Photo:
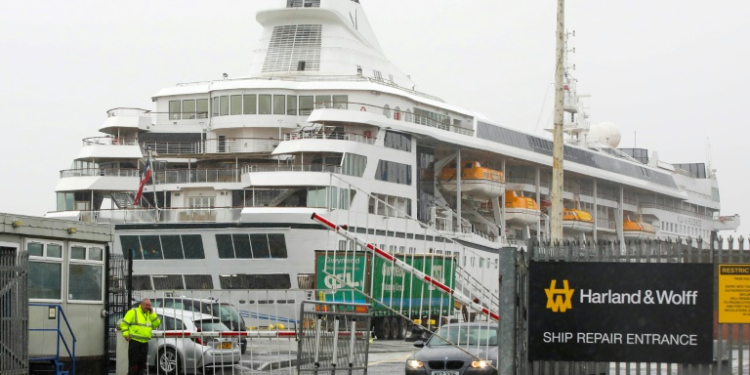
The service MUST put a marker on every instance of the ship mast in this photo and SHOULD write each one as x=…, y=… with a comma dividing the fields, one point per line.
x=556, y=210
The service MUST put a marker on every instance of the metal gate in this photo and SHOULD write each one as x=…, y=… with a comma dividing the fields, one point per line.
x=731, y=341
x=14, y=312
x=333, y=337
x=119, y=271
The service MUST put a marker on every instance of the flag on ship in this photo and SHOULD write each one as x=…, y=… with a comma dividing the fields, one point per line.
x=145, y=177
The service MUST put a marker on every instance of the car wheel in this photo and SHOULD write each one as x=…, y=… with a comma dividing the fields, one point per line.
x=403, y=330
x=395, y=328
x=243, y=347
x=168, y=361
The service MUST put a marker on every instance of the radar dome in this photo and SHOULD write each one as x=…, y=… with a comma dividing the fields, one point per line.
x=605, y=133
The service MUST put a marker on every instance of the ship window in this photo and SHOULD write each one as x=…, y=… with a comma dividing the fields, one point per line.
x=387, y=111
x=224, y=244
x=175, y=110
x=306, y=105
x=172, y=247
x=201, y=108
x=199, y=282
x=131, y=244
x=291, y=105
x=188, y=109
x=407, y=116
x=292, y=44
x=151, y=247
x=263, y=282
x=236, y=105
x=323, y=101
x=264, y=104
x=142, y=282
x=393, y=172
x=397, y=141
x=341, y=101
x=278, y=105
x=65, y=201
x=215, y=107
x=224, y=106
x=193, y=246
x=259, y=243
x=250, y=104
x=242, y=248
x=168, y=282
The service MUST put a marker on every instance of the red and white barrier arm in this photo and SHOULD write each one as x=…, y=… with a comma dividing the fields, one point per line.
x=342, y=230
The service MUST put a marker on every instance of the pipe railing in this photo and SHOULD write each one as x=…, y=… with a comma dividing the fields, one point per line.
x=60, y=315
x=103, y=172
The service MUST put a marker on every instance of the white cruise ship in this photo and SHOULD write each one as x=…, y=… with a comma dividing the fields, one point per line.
x=324, y=123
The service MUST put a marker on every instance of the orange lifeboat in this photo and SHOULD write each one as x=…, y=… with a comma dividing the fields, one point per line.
x=638, y=230
x=521, y=210
x=476, y=181
x=578, y=221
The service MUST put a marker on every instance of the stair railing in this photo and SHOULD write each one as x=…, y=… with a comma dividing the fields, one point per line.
x=60, y=314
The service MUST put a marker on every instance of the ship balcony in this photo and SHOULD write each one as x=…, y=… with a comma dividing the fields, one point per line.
x=658, y=209
x=332, y=114
x=214, y=146
x=353, y=137
x=163, y=215
x=112, y=147
x=233, y=175
x=100, y=172
x=124, y=121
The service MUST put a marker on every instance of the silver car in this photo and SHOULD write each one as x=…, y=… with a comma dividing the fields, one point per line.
x=172, y=355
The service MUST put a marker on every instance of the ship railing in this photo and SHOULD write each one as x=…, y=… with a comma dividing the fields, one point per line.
x=163, y=215
x=213, y=146
x=335, y=136
x=127, y=111
x=397, y=114
x=202, y=175
x=291, y=168
x=110, y=141
x=677, y=210
x=103, y=172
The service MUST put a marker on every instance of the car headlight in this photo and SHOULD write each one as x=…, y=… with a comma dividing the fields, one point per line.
x=479, y=364
x=413, y=363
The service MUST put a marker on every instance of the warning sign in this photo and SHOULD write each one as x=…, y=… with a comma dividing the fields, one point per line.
x=734, y=293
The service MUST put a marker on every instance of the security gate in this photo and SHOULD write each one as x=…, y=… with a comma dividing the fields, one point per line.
x=14, y=313
x=731, y=342
x=333, y=337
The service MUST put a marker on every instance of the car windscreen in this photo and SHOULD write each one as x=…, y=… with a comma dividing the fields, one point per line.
x=465, y=335
x=210, y=325
x=229, y=314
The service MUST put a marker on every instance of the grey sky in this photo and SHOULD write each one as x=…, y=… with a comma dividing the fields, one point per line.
x=674, y=71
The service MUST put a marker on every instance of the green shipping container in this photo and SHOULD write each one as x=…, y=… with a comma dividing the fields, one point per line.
x=387, y=284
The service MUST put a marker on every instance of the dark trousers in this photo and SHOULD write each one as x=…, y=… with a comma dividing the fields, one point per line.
x=137, y=354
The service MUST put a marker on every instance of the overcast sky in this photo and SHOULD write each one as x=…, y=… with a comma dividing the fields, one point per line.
x=674, y=72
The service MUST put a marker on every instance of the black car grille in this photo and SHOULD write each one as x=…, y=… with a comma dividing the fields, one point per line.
x=445, y=365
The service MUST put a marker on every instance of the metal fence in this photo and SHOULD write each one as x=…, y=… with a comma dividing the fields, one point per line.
x=14, y=312
x=333, y=337
x=118, y=297
x=731, y=341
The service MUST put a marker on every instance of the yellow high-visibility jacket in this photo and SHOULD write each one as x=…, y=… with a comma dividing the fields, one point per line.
x=138, y=324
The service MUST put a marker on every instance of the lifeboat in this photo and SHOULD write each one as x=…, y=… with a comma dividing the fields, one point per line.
x=638, y=230
x=521, y=210
x=577, y=221
x=476, y=181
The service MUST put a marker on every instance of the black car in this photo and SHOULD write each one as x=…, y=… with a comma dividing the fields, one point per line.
x=226, y=312
x=441, y=357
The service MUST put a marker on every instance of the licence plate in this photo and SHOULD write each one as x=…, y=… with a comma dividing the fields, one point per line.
x=228, y=345
x=445, y=373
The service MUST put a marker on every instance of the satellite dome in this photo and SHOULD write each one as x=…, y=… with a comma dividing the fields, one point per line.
x=605, y=133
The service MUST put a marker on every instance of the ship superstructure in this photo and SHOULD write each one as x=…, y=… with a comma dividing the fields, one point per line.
x=324, y=123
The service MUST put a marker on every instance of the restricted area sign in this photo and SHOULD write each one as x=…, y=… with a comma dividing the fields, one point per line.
x=734, y=293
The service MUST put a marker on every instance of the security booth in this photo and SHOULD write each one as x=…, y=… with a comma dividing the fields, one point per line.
x=56, y=270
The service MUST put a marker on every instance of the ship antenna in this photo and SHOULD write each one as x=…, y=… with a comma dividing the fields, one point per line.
x=556, y=210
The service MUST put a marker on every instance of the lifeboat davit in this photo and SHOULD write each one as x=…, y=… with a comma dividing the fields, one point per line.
x=476, y=181
x=638, y=230
x=577, y=221
x=521, y=210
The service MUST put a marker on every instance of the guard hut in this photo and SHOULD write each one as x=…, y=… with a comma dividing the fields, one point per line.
x=62, y=294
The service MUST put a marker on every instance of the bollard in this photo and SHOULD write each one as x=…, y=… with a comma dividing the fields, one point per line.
x=121, y=355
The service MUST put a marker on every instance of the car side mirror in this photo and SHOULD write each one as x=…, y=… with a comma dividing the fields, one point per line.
x=419, y=344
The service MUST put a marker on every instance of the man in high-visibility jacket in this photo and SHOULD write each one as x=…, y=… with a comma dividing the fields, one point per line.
x=136, y=326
